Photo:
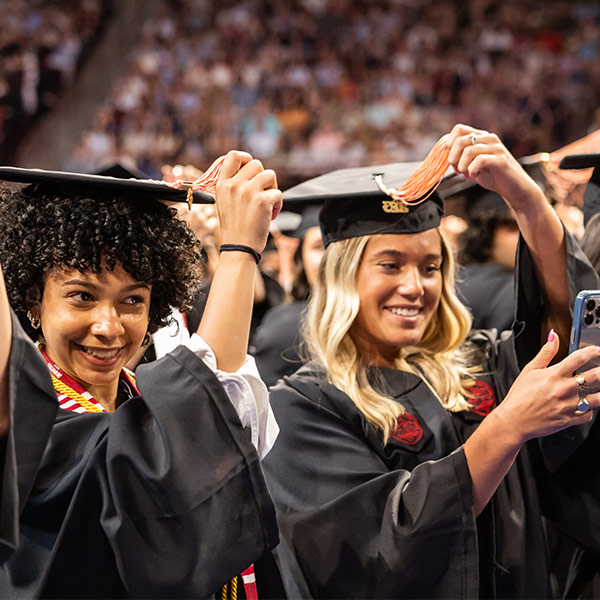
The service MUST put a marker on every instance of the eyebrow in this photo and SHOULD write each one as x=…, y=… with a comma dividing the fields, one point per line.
x=398, y=254
x=93, y=286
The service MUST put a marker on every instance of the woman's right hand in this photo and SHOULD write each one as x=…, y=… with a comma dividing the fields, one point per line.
x=541, y=401
x=544, y=399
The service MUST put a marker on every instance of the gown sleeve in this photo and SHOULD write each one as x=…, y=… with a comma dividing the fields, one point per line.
x=33, y=407
x=567, y=464
x=511, y=351
x=351, y=526
x=188, y=504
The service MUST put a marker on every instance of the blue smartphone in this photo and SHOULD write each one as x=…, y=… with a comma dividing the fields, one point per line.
x=586, y=325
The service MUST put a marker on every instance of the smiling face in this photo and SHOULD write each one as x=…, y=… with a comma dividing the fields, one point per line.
x=93, y=324
x=399, y=285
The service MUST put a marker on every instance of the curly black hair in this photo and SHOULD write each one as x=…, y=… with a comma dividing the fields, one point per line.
x=475, y=243
x=45, y=226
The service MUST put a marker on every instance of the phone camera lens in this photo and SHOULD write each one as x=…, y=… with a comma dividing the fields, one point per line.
x=588, y=319
x=590, y=304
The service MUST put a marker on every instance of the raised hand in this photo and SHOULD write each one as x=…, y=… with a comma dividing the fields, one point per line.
x=481, y=156
x=247, y=200
x=544, y=399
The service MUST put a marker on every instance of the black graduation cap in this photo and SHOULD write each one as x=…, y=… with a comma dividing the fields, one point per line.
x=591, y=196
x=115, y=185
x=122, y=171
x=308, y=219
x=358, y=202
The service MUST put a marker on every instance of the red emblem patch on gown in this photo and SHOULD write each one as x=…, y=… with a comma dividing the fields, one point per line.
x=409, y=430
x=483, y=399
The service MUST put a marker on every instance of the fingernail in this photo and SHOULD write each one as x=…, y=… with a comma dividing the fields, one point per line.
x=456, y=170
x=551, y=336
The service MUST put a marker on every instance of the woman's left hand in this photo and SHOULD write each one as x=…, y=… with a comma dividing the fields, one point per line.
x=481, y=156
x=247, y=200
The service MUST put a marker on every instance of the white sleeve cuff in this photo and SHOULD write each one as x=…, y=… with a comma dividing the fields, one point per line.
x=247, y=393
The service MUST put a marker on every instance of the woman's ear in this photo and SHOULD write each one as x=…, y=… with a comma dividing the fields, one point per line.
x=33, y=298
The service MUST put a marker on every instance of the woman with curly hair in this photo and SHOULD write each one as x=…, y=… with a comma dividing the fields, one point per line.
x=405, y=463
x=149, y=484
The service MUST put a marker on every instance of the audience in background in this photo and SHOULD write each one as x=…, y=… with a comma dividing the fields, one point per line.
x=42, y=43
x=319, y=84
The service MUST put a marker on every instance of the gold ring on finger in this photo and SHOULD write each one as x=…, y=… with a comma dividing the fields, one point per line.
x=581, y=382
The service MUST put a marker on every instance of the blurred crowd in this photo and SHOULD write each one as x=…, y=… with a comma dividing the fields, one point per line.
x=42, y=43
x=318, y=84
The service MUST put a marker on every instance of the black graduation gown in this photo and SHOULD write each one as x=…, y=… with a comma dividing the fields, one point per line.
x=488, y=290
x=162, y=498
x=33, y=407
x=362, y=520
x=275, y=345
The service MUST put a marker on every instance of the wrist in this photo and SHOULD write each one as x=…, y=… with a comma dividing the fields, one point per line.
x=506, y=427
x=240, y=249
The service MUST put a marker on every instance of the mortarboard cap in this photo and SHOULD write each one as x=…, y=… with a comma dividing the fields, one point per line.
x=287, y=222
x=309, y=219
x=591, y=196
x=112, y=185
x=355, y=203
x=121, y=171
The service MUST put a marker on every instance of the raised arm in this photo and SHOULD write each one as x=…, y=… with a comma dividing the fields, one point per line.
x=5, y=336
x=481, y=156
x=247, y=199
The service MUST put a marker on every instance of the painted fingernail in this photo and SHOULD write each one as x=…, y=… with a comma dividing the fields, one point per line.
x=551, y=336
x=456, y=170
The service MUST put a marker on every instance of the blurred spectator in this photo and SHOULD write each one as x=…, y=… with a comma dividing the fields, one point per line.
x=320, y=84
x=42, y=43
x=487, y=251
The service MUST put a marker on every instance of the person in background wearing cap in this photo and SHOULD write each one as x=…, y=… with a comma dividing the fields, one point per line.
x=276, y=344
x=487, y=248
x=405, y=463
x=149, y=493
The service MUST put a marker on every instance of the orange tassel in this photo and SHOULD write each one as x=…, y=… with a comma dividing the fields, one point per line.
x=207, y=182
x=424, y=181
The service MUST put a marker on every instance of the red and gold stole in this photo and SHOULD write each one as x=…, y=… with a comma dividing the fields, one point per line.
x=71, y=395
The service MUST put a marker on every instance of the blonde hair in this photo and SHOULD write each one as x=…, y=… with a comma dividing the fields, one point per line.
x=440, y=354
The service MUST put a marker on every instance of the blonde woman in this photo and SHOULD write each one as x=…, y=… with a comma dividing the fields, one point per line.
x=404, y=468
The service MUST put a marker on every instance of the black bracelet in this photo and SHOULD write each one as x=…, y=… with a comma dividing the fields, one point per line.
x=241, y=248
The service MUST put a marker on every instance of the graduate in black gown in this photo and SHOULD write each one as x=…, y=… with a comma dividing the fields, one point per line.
x=485, y=282
x=408, y=461
x=276, y=344
x=150, y=484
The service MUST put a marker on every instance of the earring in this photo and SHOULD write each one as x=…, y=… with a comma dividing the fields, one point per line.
x=35, y=323
x=147, y=340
